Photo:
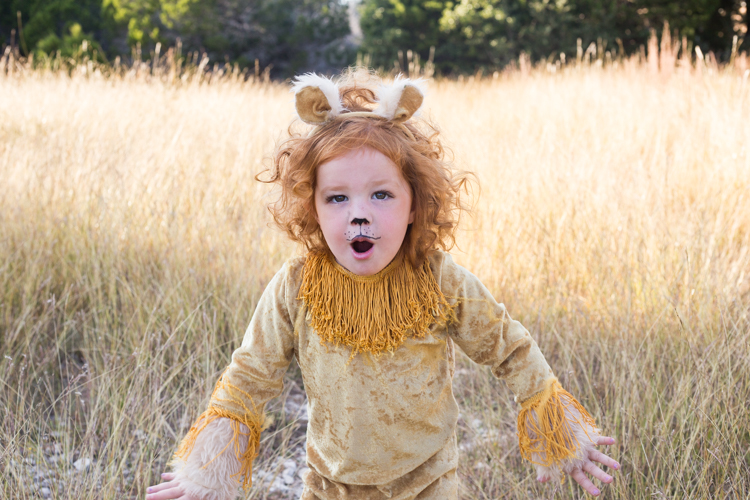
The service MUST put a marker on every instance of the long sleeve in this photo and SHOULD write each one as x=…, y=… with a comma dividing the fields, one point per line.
x=218, y=451
x=487, y=334
x=555, y=432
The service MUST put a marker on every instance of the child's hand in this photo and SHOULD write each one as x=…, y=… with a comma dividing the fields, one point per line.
x=588, y=466
x=170, y=489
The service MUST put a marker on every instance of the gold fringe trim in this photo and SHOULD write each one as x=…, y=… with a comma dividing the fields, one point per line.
x=371, y=313
x=550, y=436
x=252, y=419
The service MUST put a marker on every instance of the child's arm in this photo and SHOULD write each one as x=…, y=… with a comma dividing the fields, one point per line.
x=217, y=454
x=555, y=432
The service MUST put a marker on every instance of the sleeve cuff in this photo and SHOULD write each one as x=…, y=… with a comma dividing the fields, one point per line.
x=555, y=432
x=216, y=456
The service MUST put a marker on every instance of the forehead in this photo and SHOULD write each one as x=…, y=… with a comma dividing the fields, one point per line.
x=359, y=167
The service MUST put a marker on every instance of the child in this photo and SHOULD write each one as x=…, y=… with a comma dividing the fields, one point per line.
x=372, y=313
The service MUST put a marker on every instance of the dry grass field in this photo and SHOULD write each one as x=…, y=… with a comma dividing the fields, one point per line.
x=613, y=221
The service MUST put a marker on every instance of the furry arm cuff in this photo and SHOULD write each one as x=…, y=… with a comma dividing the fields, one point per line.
x=213, y=456
x=555, y=432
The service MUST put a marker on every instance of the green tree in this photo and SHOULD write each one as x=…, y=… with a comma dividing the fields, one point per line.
x=390, y=26
x=472, y=34
x=145, y=20
x=290, y=34
x=74, y=45
x=54, y=23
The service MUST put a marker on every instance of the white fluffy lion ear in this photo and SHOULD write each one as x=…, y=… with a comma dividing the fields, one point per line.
x=316, y=98
x=398, y=102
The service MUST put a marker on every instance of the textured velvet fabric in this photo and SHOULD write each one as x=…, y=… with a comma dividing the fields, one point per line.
x=381, y=423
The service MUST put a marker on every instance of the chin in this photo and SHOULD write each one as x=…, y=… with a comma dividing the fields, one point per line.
x=364, y=268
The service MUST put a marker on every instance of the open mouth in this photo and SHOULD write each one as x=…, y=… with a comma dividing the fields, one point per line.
x=362, y=246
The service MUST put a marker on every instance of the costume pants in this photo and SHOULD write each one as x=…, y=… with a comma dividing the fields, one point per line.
x=444, y=487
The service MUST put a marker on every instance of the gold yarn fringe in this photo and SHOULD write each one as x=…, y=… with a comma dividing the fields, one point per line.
x=550, y=435
x=252, y=419
x=371, y=313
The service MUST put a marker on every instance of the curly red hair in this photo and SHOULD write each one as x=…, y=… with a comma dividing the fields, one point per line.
x=436, y=187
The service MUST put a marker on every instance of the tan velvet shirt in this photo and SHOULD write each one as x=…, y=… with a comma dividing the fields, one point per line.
x=382, y=420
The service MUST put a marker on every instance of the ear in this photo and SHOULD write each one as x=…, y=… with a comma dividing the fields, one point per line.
x=400, y=101
x=316, y=98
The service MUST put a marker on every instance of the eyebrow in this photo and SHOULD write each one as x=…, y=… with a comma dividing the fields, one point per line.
x=332, y=188
x=377, y=182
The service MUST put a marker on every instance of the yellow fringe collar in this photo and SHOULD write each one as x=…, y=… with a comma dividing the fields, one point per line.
x=371, y=313
x=545, y=428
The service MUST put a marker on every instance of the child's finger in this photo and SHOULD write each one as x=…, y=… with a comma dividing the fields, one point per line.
x=598, y=456
x=597, y=472
x=161, y=486
x=168, y=476
x=585, y=482
x=169, y=494
x=605, y=440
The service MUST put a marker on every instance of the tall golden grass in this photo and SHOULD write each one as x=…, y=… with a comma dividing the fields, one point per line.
x=613, y=221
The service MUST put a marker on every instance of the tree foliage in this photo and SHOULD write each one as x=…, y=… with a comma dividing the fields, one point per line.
x=52, y=25
x=291, y=35
x=304, y=35
x=472, y=34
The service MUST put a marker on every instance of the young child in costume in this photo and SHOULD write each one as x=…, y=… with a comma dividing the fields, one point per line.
x=372, y=313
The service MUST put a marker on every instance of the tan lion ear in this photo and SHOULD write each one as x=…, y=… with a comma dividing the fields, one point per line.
x=410, y=102
x=398, y=102
x=316, y=99
x=312, y=105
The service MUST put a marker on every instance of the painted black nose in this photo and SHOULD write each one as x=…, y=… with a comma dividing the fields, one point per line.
x=360, y=221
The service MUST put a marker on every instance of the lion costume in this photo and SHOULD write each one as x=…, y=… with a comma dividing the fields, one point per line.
x=377, y=360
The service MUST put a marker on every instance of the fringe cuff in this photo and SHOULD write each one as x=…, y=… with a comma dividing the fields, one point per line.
x=555, y=432
x=208, y=473
x=244, y=438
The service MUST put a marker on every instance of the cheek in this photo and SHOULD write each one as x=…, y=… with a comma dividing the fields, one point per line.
x=401, y=217
x=319, y=213
x=328, y=219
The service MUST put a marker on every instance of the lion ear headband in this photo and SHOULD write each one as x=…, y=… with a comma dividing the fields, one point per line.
x=318, y=101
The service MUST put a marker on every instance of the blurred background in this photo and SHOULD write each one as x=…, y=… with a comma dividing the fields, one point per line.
x=287, y=37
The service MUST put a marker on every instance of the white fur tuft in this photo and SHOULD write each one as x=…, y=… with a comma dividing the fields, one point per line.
x=586, y=436
x=329, y=88
x=390, y=95
x=207, y=472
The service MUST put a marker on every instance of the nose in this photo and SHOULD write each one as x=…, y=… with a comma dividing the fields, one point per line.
x=360, y=221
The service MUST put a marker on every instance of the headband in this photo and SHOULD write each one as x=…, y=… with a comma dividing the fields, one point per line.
x=318, y=101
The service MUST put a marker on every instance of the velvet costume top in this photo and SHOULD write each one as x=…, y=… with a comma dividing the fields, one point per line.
x=375, y=418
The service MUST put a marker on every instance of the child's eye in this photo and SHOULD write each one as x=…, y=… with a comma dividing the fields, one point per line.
x=381, y=195
x=337, y=198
